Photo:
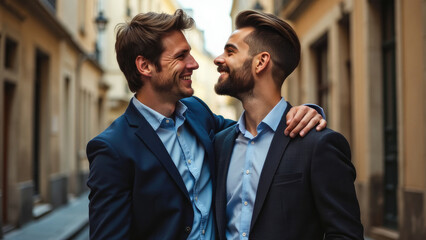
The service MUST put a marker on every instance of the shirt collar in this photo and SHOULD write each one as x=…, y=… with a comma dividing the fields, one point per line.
x=272, y=119
x=155, y=118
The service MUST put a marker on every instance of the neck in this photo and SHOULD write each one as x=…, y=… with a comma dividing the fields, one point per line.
x=261, y=100
x=257, y=108
x=164, y=105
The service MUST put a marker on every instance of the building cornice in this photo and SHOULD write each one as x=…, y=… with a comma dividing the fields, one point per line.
x=11, y=6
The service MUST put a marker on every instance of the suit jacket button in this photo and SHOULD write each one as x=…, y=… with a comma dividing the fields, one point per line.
x=188, y=229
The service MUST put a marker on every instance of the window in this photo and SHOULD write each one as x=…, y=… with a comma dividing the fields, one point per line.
x=40, y=108
x=9, y=97
x=389, y=115
x=320, y=49
x=11, y=54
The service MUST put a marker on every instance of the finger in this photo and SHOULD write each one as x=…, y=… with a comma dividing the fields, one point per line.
x=290, y=114
x=322, y=124
x=303, y=123
x=298, y=115
x=312, y=123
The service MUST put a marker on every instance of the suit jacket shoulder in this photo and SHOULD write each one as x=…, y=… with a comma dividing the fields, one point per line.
x=305, y=181
x=220, y=136
x=201, y=113
x=131, y=179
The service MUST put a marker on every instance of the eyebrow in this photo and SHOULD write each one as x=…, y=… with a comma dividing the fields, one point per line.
x=229, y=45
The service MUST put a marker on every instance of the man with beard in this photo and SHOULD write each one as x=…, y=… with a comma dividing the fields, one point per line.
x=150, y=171
x=268, y=185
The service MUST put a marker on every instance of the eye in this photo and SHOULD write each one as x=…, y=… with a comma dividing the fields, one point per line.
x=230, y=51
x=182, y=55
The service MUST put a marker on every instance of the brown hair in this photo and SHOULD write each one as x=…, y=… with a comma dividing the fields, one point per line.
x=142, y=36
x=272, y=35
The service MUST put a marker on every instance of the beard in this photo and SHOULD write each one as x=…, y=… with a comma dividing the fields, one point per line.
x=172, y=86
x=162, y=85
x=240, y=81
x=163, y=82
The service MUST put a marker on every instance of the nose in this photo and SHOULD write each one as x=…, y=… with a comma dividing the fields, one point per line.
x=218, y=60
x=192, y=64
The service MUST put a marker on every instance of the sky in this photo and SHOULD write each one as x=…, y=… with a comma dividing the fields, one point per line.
x=213, y=17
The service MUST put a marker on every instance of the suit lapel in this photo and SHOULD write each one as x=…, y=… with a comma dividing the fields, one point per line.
x=150, y=138
x=224, y=159
x=273, y=158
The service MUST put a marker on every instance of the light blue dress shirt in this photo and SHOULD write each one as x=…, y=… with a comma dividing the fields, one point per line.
x=247, y=160
x=188, y=156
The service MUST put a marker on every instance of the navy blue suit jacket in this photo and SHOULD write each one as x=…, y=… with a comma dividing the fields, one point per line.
x=306, y=188
x=136, y=190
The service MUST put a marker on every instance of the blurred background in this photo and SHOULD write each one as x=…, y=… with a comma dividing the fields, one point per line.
x=363, y=61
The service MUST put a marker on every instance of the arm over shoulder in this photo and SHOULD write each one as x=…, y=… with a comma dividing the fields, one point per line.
x=218, y=122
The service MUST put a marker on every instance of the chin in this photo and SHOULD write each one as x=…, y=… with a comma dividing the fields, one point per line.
x=188, y=93
x=221, y=79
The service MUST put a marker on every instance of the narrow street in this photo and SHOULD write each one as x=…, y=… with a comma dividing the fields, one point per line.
x=67, y=222
x=83, y=235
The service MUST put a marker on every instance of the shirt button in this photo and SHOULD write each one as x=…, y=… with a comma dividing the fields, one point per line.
x=167, y=120
x=189, y=161
x=244, y=234
x=188, y=229
x=245, y=203
x=203, y=232
x=196, y=198
x=247, y=171
x=252, y=143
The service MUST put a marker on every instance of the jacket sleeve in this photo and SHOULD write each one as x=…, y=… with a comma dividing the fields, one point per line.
x=317, y=108
x=110, y=181
x=223, y=123
x=220, y=123
x=332, y=179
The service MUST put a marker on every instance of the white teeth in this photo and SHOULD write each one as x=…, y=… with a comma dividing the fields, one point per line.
x=187, y=78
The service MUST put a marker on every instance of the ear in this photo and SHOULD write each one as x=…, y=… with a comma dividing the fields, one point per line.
x=143, y=66
x=262, y=61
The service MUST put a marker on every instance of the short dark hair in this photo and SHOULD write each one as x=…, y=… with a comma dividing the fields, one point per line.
x=142, y=36
x=275, y=36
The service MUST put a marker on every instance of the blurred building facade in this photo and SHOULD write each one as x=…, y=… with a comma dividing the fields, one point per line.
x=203, y=79
x=52, y=101
x=364, y=61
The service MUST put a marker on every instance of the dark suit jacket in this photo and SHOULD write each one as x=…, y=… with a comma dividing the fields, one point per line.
x=136, y=190
x=306, y=188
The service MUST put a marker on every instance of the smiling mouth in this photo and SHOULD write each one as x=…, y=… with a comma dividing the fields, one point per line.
x=187, y=78
x=223, y=75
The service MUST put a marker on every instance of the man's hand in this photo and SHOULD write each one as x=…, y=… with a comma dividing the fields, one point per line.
x=301, y=119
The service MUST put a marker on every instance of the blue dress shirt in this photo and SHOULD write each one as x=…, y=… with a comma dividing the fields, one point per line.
x=188, y=156
x=247, y=160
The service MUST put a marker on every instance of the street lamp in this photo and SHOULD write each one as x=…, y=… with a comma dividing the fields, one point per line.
x=101, y=22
